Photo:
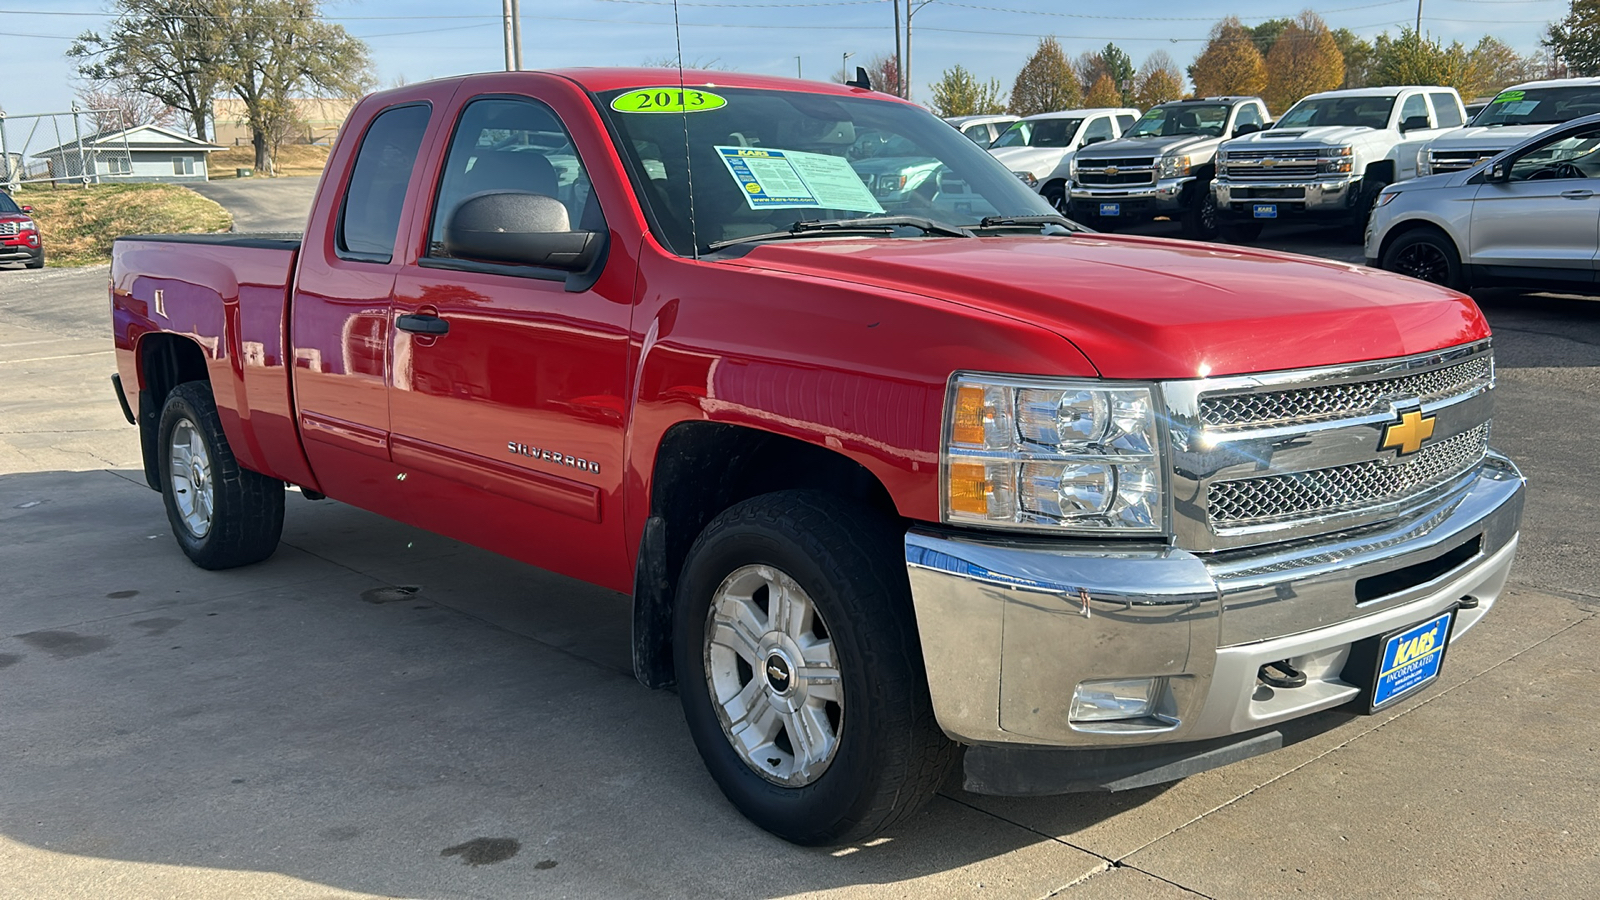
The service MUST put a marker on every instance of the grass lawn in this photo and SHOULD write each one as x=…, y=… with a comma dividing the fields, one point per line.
x=293, y=159
x=78, y=224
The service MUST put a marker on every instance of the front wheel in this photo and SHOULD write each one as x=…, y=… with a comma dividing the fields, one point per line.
x=37, y=262
x=800, y=672
x=1056, y=194
x=1200, y=214
x=1425, y=254
x=222, y=515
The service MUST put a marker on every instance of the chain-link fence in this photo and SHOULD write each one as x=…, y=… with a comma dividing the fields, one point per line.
x=83, y=146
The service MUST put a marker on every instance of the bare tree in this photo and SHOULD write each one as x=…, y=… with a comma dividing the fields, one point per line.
x=165, y=49
x=114, y=107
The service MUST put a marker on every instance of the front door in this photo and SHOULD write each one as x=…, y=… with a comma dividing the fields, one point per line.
x=1544, y=221
x=511, y=422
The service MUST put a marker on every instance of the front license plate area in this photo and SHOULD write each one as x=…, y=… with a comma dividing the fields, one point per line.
x=1110, y=210
x=1402, y=662
x=1264, y=210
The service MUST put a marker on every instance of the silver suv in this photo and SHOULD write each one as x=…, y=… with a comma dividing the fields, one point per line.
x=1162, y=166
x=1528, y=217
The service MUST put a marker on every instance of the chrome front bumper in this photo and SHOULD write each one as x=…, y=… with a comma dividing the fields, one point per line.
x=1009, y=628
x=1165, y=195
x=1329, y=195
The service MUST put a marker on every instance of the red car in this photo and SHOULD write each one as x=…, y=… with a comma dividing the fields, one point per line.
x=898, y=475
x=19, y=234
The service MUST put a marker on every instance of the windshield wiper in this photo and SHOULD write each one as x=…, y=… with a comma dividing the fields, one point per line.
x=1027, y=222
x=870, y=225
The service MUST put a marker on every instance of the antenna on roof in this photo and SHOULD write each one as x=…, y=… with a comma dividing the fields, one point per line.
x=683, y=111
x=860, y=81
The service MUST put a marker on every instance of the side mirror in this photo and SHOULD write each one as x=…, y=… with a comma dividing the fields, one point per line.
x=27, y=209
x=1499, y=170
x=1414, y=123
x=1096, y=139
x=520, y=229
x=1246, y=128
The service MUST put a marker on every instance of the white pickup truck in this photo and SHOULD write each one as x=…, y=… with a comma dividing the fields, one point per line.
x=1328, y=158
x=1515, y=114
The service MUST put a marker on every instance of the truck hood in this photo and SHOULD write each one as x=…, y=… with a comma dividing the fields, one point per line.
x=1500, y=137
x=1327, y=135
x=1148, y=308
x=1150, y=146
x=1040, y=161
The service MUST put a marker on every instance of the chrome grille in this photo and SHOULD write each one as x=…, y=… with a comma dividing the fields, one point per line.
x=1253, y=501
x=8, y=229
x=1242, y=155
x=1442, y=161
x=1341, y=401
x=1116, y=172
x=1280, y=172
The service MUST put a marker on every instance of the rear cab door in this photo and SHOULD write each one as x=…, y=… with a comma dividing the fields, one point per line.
x=511, y=423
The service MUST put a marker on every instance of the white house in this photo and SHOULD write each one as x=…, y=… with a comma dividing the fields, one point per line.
x=140, y=153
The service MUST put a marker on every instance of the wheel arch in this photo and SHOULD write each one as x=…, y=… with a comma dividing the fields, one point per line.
x=164, y=361
x=1400, y=229
x=700, y=469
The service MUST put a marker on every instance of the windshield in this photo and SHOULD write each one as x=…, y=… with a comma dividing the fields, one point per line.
x=1369, y=112
x=762, y=161
x=7, y=205
x=1038, y=133
x=1186, y=119
x=1540, y=106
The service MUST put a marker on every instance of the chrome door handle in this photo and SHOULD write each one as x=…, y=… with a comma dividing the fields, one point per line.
x=1578, y=194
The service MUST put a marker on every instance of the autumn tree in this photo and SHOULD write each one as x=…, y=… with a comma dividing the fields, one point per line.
x=1111, y=61
x=113, y=107
x=1414, y=59
x=1267, y=33
x=1158, y=81
x=1046, y=82
x=884, y=72
x=1357, y=53
x=1103, y=93
x=1575, y=40
x=959, y=93
x=275, y=50
x=1493, y=65
x=1304, y=60
x=167, y=50
x=1230, y=62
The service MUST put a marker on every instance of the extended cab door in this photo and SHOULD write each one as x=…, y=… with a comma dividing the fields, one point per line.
x=509, y=384
x=339, y=316
x=1545, y=221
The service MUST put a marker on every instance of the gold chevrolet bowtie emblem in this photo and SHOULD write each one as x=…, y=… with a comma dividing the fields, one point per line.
x=1408, y=434
x=1112, y=170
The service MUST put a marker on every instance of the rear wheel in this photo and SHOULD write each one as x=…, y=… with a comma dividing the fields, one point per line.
x=800, y=672
x=222, y=515
x=1426, y=254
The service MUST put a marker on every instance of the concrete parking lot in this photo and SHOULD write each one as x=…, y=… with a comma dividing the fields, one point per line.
x=378, y=711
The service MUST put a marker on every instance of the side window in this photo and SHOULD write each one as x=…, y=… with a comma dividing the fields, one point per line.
x=370, y=218
x=512, y=144
x=1250, y=114
x=1098, y=129
x=979, y=133
x=1570, y=156
x=183, y=165
x=1446, y=110
x=1415, y=105
x=1124, y=123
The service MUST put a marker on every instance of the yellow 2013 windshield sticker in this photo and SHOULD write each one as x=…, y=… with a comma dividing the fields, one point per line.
x=668, y=100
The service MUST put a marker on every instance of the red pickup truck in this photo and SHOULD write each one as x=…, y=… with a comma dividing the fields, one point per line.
x=900, y=468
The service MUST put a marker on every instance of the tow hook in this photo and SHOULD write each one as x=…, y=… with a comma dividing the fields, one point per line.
x=1281, y=674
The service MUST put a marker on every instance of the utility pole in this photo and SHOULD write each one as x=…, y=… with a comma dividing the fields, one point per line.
x=516, y=35
x=505, y=16
x=1419, y=18
x=899, y=56
x=797, y=68
x=844, y=67
x=912, y=8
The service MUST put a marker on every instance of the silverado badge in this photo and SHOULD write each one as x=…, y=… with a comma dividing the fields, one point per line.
x=1408, y=434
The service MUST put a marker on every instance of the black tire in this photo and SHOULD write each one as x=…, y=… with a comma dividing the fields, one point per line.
x=890, y=755
x=1427, y=254
x=1365, y=204
x=37, y=262
x=1245, y=232
x=1055, y=194
x=245, y=518
x=1200, y=214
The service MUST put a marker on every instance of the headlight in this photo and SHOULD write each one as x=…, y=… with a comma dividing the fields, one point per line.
x=1173, y=166
x=1027, y=179
x=1053, y=454
x=28, y=225
x=1222, y=156
x=1334, y=159
x=1387, y=197
x=1424, y=163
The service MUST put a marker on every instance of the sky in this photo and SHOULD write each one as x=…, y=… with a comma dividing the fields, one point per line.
x=413, y=40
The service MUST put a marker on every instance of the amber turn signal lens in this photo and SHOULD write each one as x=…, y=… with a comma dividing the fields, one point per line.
x=971, y=414
x=969, y=488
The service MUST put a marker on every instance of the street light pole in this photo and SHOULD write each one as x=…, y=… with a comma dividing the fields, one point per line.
x=505, y=15
x=912, y=8
x=797, y=68
x=899, y=55
x=516, y=35
x=844, y=67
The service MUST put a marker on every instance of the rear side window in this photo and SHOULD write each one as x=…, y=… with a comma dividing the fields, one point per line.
x=1124, y=123
x=1446, y=110
x=370, y=219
